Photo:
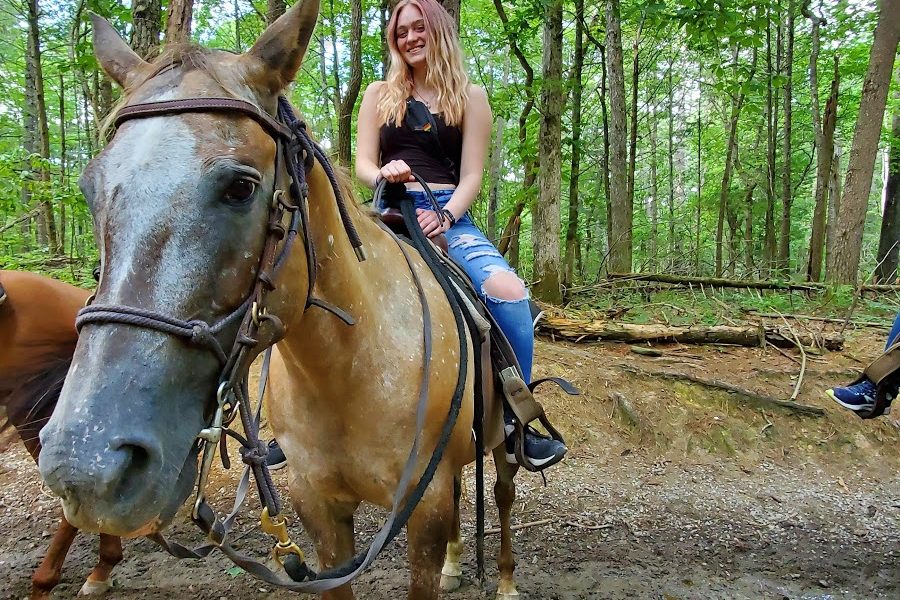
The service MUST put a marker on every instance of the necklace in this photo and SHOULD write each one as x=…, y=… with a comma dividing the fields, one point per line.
x=421, y=98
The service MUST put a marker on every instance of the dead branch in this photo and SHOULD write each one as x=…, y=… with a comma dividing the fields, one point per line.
x=742, y=395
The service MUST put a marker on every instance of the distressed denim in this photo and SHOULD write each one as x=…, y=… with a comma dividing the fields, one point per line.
x=894, y=334
x=478, y=257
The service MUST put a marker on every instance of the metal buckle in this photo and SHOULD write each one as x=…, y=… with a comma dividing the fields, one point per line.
x=277, y=528
x=209, y=438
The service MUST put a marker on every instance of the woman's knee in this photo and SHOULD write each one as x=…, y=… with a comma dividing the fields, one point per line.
x=504, y=286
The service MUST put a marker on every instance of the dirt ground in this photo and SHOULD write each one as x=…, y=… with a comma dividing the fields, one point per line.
x=694, y=495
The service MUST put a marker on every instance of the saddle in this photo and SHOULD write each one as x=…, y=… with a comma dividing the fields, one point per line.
x=884, y=372
x=499, y=366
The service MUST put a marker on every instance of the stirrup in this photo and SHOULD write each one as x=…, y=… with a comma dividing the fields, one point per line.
x=526, y=409
x=884, y=372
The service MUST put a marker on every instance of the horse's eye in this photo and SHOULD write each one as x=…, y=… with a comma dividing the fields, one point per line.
x=239, y=191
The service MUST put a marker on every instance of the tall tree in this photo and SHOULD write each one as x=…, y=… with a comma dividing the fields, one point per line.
x=889, y=242
x=575, y=166
x=146, y=18
x=546, y=226
x=770, y=241
x=787, y=194
x=843, y=263
x=621, y=213
x=633, y=113
x=37, y=107
x=346, y=104
x=274, y=9
x=178, y=25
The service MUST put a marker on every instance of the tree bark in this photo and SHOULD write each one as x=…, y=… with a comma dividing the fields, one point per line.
x=834, y=204
x=889, y=242
x=274, y=9
x=653, y=207
x=452, y=7
x=621, y=213
x=178, y=25
x=824, y=157
x=546, y=226
x=497, y=156
x=575, y=166
x=511, y=230
x=787, y=197
x=345, y=111
x=671, y=174
x=38, y=108
x=633, y=129
x=843, y=266
x=145, y=18
x=770, y=240
x=731, y=150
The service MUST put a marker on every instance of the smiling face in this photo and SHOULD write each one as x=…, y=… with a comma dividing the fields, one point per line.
x=411, y=36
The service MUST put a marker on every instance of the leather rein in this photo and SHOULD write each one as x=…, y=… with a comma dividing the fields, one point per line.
x=258, y=331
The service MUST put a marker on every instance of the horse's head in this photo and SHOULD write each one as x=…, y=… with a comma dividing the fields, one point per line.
x=180, y=204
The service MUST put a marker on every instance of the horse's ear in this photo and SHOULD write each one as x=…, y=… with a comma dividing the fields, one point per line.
x=114, y=55
x=283, y=44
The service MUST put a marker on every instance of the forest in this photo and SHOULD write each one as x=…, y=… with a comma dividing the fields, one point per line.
x=747, y=139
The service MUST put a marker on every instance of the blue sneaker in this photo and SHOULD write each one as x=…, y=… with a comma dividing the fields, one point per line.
x=275, y=459
x=540, y=450
x=859, y=396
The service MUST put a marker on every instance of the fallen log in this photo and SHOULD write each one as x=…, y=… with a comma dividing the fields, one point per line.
x=855, y=323
x=749, y=335
x=741, y=395
x=685, y=280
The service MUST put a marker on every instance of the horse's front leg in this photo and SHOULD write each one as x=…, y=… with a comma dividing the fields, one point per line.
x=47, y=575
x=428, y=531
x=330, y=525
x=505, y=495
x=110, y=555
x=451, y=573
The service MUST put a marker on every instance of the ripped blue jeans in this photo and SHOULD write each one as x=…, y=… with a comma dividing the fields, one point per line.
x=478, y=257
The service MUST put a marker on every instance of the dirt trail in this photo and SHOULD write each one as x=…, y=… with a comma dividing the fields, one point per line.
x=703, y=498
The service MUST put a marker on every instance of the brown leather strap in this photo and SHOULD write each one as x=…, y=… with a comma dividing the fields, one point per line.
x=884, y=365
x=185, y=105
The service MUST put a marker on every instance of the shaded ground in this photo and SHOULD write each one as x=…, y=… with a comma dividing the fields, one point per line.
x=702, y=498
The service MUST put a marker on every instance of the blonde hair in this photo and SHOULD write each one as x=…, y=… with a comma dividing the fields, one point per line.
x=443, y=56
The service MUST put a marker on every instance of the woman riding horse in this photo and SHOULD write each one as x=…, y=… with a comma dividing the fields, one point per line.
x=182, y=199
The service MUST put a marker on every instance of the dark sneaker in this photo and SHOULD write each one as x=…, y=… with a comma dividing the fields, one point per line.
x=859, y=396
x=275, y=458
x=541, y=451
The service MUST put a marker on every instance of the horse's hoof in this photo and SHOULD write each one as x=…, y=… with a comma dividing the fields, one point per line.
x=512, y=594
x=450, y=583
x=94, y=588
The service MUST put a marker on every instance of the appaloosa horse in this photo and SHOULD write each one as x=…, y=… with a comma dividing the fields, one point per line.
x=37, y=339
x=180, y=199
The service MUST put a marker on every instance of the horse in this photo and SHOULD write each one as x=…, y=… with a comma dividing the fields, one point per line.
x=181, y=198
x=37, y=326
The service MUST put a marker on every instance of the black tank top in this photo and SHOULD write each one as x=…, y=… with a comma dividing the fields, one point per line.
x=419, y=150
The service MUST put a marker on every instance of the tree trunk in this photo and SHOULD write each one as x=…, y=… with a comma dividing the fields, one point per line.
x=274, y=9
x=824, y=156
x=511, y=230
x=889, y=242
x=698, y=245
x=178, y=25
x=654, y=193
x=787, y=198
x=497, y=156
x=575, y=167
x=834, y=204
x=843, y=265
x=671, y=174
x=383, y=12
x=345, y=113
x=632, y=131
x=621, y=215
x=63, y=165
x=452, y=7
x=238, y=47
x=39, y=110
x=748, y=230
x=730, y=152
x=770, y=241
x=145, y=17
x=546, y=225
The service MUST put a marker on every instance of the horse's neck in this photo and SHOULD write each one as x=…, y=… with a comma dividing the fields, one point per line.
x=375, y=292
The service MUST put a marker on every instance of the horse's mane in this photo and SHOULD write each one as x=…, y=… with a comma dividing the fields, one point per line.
x=28, y=401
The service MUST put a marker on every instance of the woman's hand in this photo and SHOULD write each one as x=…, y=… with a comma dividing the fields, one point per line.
x=396, y=171
x=432, y=223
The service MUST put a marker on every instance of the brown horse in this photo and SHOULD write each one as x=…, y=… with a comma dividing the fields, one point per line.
x=37, y=329
x=180, y=204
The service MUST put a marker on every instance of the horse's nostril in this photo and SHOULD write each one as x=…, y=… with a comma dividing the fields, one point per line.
x=134, y=458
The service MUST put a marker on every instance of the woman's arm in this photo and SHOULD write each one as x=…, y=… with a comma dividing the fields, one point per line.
x=368, y=143
x=476, y=137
